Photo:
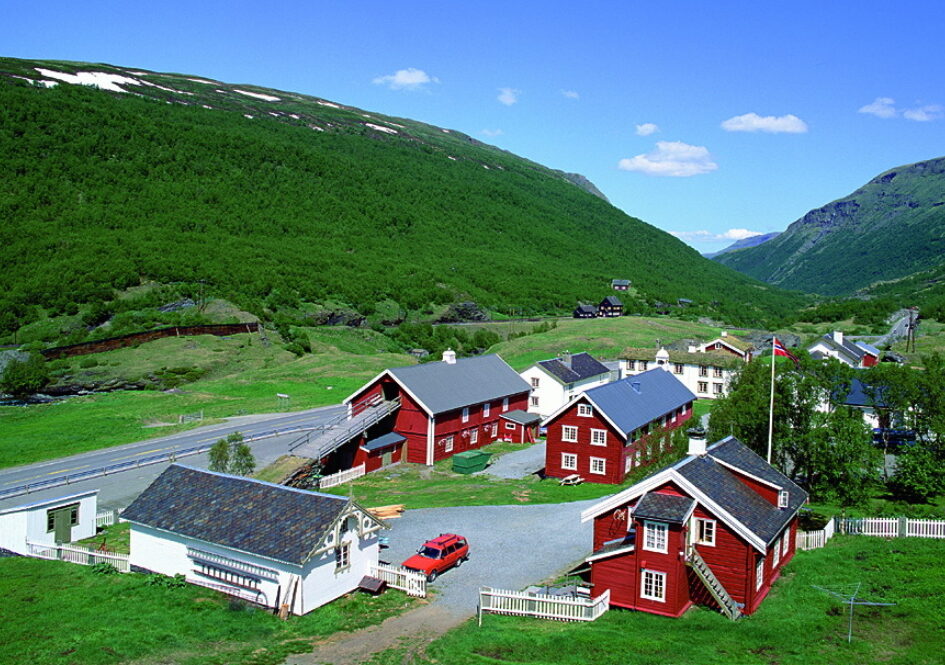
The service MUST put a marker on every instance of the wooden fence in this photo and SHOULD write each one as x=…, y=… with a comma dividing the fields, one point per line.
x=78, y=554
x=812, y=540
x=560, y=608
x=105, y=518
x=341, y=477
x=409, y=581
x=883, y=527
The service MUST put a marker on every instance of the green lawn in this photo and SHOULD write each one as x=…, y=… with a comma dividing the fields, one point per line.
x=117, y=538
x=59, y=613
x=796, y=624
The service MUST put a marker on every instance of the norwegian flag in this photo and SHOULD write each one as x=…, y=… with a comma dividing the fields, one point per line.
x=779, y=350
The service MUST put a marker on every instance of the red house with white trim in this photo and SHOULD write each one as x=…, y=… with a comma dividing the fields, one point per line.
x=439, y=408
x=600, y=434
x=715, y=528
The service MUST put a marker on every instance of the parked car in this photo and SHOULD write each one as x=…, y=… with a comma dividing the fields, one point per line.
x=435, y=556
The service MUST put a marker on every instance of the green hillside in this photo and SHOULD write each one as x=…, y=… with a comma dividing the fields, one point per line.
x=890, y=228
x=274, y=200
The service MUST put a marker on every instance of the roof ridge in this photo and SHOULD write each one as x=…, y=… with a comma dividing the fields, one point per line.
x=259, y=482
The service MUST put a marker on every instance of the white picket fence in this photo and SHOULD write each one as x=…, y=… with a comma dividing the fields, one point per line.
x=560, y=608
x=409, y=581
x=812, y=540
x=926, y=528
x=883, y=527
x=341, y=477
x=78, y=554
x=105, y=518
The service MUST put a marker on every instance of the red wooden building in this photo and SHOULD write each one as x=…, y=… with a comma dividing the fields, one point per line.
x=438, y=408
x=715, y=528
x=599, y=434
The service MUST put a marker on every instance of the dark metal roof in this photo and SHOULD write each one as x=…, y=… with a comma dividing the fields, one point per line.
x=384, y=441
x=445, y=386
x=863, y=395
x=613, y=301
x=620, y=282
x=522, y=417
x=583, y=366
x=586, y=309
x=272, y=521
x=664, y=507
x=637, y=400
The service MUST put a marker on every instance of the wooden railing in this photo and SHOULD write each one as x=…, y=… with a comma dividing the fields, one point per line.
x=409, y=581
x=559, y=608
x=78, y=554
x=728, y=605
x=341, y=477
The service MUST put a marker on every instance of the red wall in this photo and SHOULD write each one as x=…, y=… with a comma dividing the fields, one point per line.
x=450, y=423
x=613, y=452
x=765, y=491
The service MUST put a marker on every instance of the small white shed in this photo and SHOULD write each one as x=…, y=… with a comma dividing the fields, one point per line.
x=273, y=545
x=49, y=521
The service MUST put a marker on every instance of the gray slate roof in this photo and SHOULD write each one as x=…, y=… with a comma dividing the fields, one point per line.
x=583, y=366
x=521, y=417
x=586, y=309
x=850, y=349
x=613, y=301
x=664, y=507
x=637, y=400
x=272, y=521
x=444, y=387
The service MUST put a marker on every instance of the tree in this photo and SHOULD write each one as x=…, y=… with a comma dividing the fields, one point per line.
x=919, y=474
x=844, y=462
x=232, y=455
x=243, y=463
x=220, y=456
x=24, y=377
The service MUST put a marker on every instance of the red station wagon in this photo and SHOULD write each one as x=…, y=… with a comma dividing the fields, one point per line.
x=436, y=555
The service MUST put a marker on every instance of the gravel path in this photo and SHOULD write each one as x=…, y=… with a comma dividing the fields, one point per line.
x=518, y=464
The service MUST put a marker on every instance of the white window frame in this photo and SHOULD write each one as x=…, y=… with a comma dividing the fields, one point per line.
x=474, y=436
x=678, y=368
x=643, y=365
x=485, y=410
x=656, y=581
x=631, y=365
x=775, y=555
x=628, y=464
x=343, y=557
x=535, y=381
x=569, y=462
x=598, y=466
x=655, y=536
x=569, y=433
x=783, y=499
x=585, y=410
x=509, y=425
x=717, y=372
x=716, y=388
x=784, y=543
x=703, y=386
x=448, y=444
x=600, y=434
x=759, y=573
x=703, y=371
x=465, y=416
x=534, y=399
x=505, y=404
x=495, y=430
x=705, y=528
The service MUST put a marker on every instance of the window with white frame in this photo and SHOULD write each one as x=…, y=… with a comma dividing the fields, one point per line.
x=465, y=414
x=509, y=425
x=677, y=368
x=505, y=404
x=783, y=497
x=474, y=436
x=631, y=364
x=628, y=464
x=569, y=433
x=717, y=372
x=343, y=557
x=568, y=462
x=705, y=531
x=598, y=466
x=448, y=444
x=784, y=542
x=655, y=536
x=598, y=437
x=643, y=365
x=534, y=399
x=703, y=370
x=535, y=381
x=717, y=388
x=585, y=410
x=775, y=555
x=703, y=386
x=653, y=585
x=759, y=573
x=485, y=410
x=495, y=430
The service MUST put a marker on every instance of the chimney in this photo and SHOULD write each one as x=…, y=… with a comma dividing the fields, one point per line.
x=692, y=348
x=566, y=359
x=449, y=357
x=696, y=441
x=838, y=336
x=662, y=358
x=724, y=333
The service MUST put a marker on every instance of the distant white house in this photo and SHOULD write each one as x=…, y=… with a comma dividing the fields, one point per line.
x=50, y=521
x=554, y=382
x=726, y=343
x=706, y=373
x=853, y=353
x=266, y=543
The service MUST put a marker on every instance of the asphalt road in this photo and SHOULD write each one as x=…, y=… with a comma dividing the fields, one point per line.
x=117, y=490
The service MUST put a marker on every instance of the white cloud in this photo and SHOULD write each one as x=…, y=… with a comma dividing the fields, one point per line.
x=708, y=236
x=406, y=79
x=571, y=94
x=881, y=107
x=491, y=133
x=673, y=159
x=646, y=129
x=752, y=122
x=508, y=96
x=924, y=113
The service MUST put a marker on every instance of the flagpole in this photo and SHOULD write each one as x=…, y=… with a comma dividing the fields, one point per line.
x=771, y=408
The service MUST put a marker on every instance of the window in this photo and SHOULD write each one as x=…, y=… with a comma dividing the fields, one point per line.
x=783, y=497
x=598, y=466
x=631, y=364
x=568, y=462
x=509, y=425
x=705, y=531
x=643, y=365
x=535, y=381
x=785, y=539
x=717, y=372
x=654, y=536
x=717, y=388
x=465, y=414
x=51, y=516
x=759, y=573
x=569, y=433
x=495, y=429
x=703, y=370
x=677, y=368
x=628, y=464
x=343, y=557
x=775, y=555
x=485, y=410
x=448, y=444
x=585, y=410
x=505, y=404
x=534, y=401
x=598, y=437
x=473, y=436
x=226, y=575
x=703, y=386
x=653, y=586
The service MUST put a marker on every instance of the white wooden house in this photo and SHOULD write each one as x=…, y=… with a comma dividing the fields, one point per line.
x=50, y=521
x=269, y=544
x=706, y=373
x=554, y=382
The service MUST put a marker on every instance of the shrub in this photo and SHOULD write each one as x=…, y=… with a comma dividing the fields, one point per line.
x=103, y=568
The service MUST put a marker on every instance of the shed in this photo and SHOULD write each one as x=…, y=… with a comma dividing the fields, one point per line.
x=49, y=521
x=520, y=426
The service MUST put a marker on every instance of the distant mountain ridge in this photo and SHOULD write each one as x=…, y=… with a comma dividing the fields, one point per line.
x=753, y=241
x=890, y=228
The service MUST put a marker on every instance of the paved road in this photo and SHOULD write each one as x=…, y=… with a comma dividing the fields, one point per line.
x=119, y=489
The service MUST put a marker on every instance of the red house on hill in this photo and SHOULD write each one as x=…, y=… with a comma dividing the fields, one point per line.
x=715, y=528
x=599, y=433
x=437, y=409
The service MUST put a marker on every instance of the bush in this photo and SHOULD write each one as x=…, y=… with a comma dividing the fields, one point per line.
x=88, y=362
x=103, y=568
x=166, y=581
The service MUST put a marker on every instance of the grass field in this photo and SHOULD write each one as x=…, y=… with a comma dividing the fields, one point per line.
x=796, y=624
x=56, y=613
x=116, y=538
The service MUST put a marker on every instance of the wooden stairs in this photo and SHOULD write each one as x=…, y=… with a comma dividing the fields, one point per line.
x=730, y=608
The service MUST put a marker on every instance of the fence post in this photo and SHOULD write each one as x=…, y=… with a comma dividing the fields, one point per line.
x=903, y=527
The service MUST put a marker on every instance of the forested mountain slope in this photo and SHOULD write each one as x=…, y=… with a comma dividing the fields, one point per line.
x=271, y=198
x=890, y=228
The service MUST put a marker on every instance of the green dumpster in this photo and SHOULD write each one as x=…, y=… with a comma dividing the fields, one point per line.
x=470, y=461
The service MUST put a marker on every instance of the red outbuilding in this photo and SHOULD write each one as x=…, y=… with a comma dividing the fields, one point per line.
x=600, y=434
x=715, y=528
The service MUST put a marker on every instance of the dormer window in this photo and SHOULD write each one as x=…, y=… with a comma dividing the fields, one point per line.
x=783, y=499
x=585, y=410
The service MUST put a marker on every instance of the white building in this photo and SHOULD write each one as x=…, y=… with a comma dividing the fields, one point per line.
x=707, y=374
x=855, y=354
x=48, y=522
x=554, y=382
x=274, y=545
x=729, y=344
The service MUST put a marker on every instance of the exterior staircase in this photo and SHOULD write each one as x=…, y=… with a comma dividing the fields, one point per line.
x=324, y=441
x=730, y=608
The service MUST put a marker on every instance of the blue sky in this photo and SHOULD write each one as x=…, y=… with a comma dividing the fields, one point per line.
x=706, y=119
